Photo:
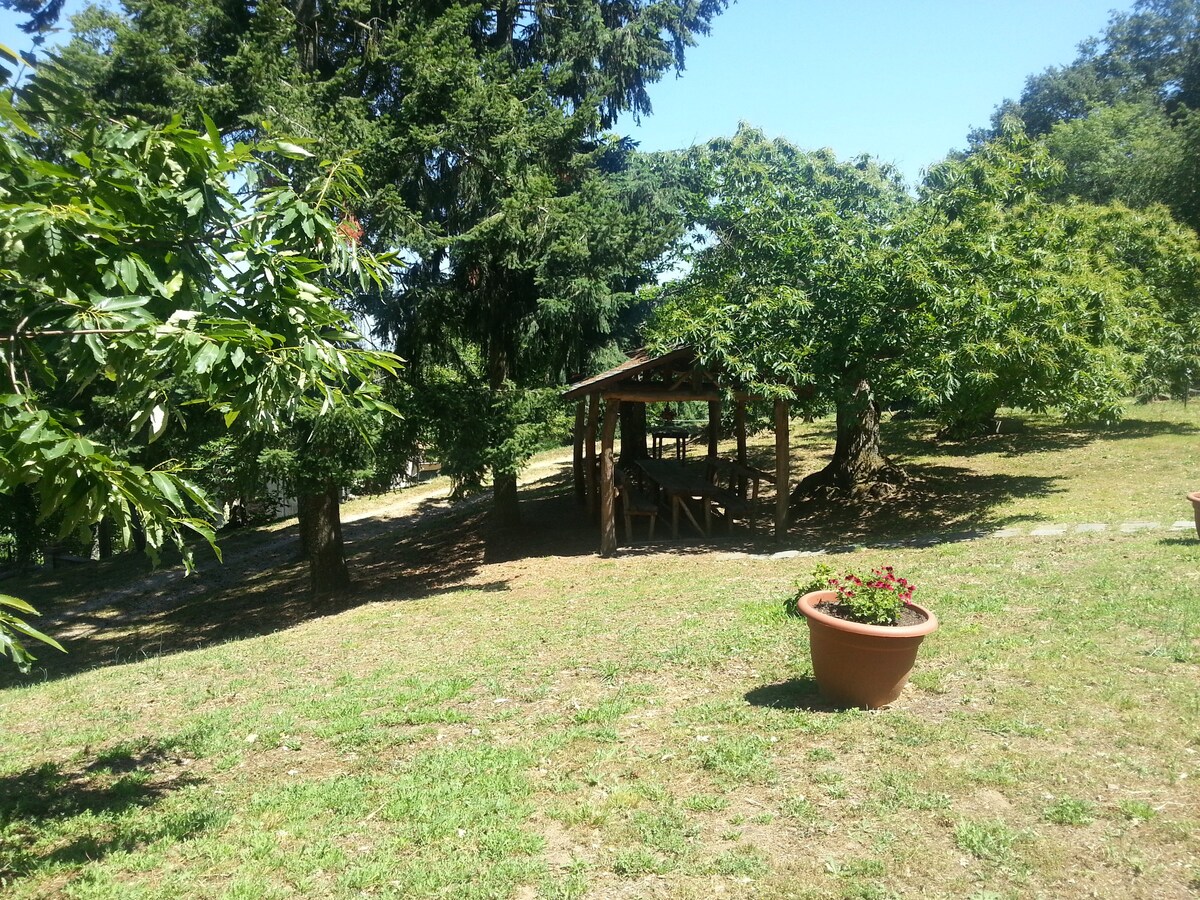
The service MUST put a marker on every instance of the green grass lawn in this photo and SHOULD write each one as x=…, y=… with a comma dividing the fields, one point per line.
x=506, y=715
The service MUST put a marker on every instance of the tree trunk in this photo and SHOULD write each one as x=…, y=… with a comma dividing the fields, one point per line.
x=506, y=507
x=322, y=535
x=505, y=504
x=858, y=463
x=138, y=532
x=633, y=433
x=25, y=530
x=856, y=456
x=104, y=538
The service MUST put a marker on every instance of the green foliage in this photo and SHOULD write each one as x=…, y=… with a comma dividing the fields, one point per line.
x=1122, y=116
x=790, y=291
x=483, y=132
x=12, y=628
x=132, y=268
x=229, y=471
x=874, y=599
x=816, y=275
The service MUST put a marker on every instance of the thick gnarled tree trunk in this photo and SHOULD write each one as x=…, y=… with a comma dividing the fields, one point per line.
x=858, y=466
x=321, y=533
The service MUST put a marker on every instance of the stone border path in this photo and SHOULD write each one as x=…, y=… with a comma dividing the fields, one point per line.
x=1039, y=531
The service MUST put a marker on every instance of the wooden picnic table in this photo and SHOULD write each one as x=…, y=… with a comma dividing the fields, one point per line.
x=680, y=485
x=658, y=436
x=743, y=484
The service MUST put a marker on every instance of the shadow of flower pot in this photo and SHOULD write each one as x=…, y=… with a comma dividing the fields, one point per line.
x=796, y=694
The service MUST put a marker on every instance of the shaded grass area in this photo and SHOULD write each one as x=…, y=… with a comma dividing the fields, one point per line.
x=502, y=714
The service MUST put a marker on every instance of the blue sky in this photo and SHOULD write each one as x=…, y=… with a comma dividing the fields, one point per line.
x=901, y=79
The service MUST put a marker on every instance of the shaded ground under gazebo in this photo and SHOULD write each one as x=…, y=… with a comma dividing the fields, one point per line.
x=674, y=377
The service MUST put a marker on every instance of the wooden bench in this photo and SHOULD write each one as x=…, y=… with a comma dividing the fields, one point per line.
x=741, y=477
x=635, y=503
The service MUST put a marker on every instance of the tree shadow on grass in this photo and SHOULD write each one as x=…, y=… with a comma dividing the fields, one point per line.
x=52, y=816
x=444, y=549
x=1019, y=435
x=127, y=619
x=940, y=502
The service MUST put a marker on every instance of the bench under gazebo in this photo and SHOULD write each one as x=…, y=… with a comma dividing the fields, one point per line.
x=673, y=377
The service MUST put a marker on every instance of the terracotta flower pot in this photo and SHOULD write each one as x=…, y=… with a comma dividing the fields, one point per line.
x=1194, y=496
x=861, y=665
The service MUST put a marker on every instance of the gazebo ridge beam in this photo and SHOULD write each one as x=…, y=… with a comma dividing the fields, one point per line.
x=636, y=394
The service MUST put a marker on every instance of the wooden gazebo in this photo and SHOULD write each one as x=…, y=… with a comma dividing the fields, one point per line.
x=642, y=379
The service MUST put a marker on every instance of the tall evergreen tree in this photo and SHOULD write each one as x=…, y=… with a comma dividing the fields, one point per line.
x=484, y=130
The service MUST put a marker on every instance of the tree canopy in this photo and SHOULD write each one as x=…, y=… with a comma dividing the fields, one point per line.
x=1123, y=116
x=484, y=130
x=824, y=282
x=135, y=267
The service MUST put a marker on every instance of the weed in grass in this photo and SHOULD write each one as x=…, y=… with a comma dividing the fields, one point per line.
x=1001, y=773
x=604, y=713
x=929, y=680
x=636, y=862
x=832, y=783
x=738, y=758
x=991, y=840
x=573, y=886
x=667, y=831
x=821, y=754
x=1069, y=811
x=575, y=814
x=1137, y=810
x=897, y=790
x=856, y=867
x=602, y=735
x=762, y=819
x=732, y=834
x=742, y=861
x=653, y=791
x=800, y=809
x=206, y=735
x=1012, y=727
x=293, y=804
x=705, y=802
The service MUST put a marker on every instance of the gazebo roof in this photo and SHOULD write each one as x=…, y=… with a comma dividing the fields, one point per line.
x=645, y=378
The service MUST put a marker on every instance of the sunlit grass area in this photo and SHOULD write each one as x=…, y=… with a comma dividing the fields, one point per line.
x=503, y=714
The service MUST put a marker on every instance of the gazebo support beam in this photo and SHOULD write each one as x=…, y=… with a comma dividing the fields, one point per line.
x=783, y=459
x=714, y=426
x=589, y=445
x=739, y=430
x=577, y=455
x=608, y=498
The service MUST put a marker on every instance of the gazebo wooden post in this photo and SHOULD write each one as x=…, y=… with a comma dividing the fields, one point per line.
x=589, y=446
x=714, y=426
x=739, y=430
x=783, y=459
x=608, y=499
x=577, y=457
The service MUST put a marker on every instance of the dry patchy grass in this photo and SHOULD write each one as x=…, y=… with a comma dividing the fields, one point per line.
x=502, y=714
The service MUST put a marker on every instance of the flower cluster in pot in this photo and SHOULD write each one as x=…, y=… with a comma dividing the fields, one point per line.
x=873, y=599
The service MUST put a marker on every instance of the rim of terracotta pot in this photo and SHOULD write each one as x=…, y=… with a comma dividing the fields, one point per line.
x=1194, y=496
x=807, y=605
